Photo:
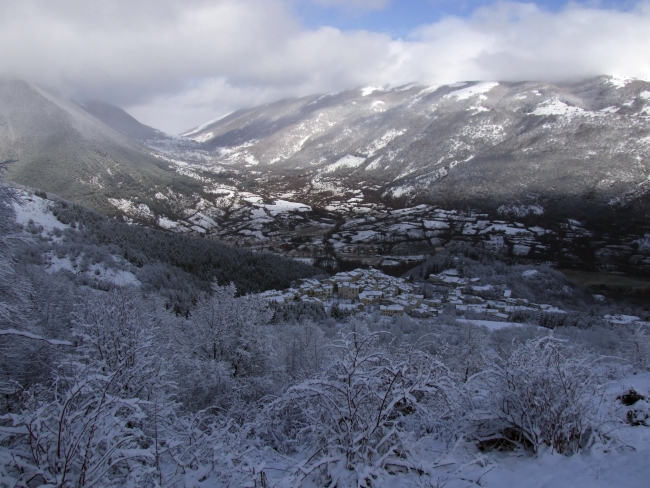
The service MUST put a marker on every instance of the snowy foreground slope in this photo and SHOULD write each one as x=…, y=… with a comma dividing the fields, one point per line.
x=622, y=466
x=105, y=384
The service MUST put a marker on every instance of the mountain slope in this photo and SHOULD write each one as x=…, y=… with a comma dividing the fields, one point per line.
x=468, y=143
x=53, y=144
x=119, y=120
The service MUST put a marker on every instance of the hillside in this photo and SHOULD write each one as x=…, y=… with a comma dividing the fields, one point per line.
x=373, y=176
x=177, y=266
x=313, y=383
x=51, y=143
x=470, y=143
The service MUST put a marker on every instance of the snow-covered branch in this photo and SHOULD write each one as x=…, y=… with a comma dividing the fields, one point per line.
x=29, y=335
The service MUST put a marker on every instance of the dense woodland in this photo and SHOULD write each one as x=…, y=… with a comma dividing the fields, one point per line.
x=187, y=379
x=176, y=266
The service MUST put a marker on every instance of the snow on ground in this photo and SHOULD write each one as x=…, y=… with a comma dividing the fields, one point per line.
x=132, y=209
x=368, y=90
x=378, y=144
x=98, y=271
x=471, y=91
x=375, y=164
x=203, y=221
x=203, y=137
x=166, y=223
x=364, y=236
x=556, y=107
x=435, y=224
x=402, y=227
x=508, y=229
x=251, y=160
x=623, y=466
x=345, y=162
x=254, y=233
x=622, y=319
x=429, y=89
x=401, y=190
x=320, y=185
x=490, y=324
x=620, y=81
x=204, y=126
x=30, y=207
x=284, y=206
x=254, y=199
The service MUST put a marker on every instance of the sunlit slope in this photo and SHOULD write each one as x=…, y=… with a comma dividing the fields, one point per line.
x=470, y=142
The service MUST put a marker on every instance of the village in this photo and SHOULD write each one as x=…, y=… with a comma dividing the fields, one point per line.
x=371, y=290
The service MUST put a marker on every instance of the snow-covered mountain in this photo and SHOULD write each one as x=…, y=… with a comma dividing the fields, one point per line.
x=118, y=119
x=52, y=143
x=471, y=142
x=316, y=177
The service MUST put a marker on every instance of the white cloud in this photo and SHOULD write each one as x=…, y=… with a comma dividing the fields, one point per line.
x=515, y=41
x=354, y=5
x=177, y=64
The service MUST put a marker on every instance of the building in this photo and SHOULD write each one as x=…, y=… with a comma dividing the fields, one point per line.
x=349, y=290
x=390, y=310
x=371, y=296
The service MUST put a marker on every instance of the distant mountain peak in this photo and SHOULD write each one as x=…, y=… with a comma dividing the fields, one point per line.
x=119, y=120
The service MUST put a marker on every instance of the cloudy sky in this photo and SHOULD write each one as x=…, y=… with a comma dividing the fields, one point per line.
x=175, y=64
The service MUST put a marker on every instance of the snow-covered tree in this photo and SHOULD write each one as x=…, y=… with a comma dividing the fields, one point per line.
x=14, y=289
x=232, y=330
x=349, y=421
x=225, y=350
x=16, y=320
x=74, y=432
x=472, y=353
x=305, y=349
x=117, y=332
x=639, y=348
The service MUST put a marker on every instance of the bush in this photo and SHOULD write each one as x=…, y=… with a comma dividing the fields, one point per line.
x=351, y=421
x=542, y=394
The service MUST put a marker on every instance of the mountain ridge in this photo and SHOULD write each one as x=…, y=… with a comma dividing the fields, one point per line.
x=456, y=136
x=53, y=144
x=534, y=170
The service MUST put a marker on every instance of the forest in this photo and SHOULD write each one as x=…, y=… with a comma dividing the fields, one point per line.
x=183, y=376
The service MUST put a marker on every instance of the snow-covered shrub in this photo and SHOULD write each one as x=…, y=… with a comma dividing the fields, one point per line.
x=15, y=306
x=470, y=352
x=202, y=449
x=233, y=330
x=349, y=422
x=543, y=393
x=305, y=350
x=74, y=432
